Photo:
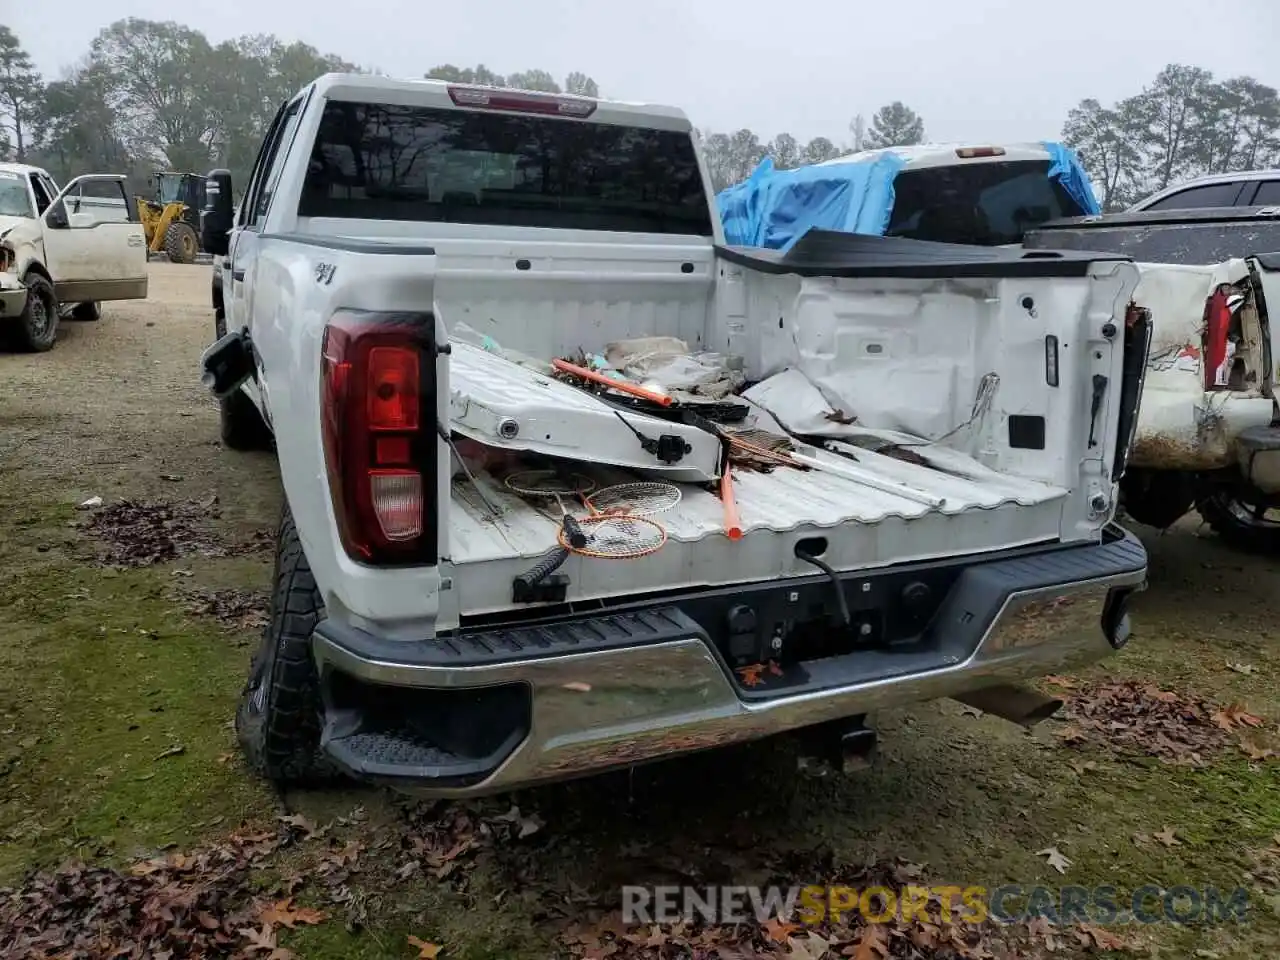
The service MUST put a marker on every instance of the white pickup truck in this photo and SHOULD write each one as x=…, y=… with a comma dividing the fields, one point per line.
x=64, y=251
x=951, y=536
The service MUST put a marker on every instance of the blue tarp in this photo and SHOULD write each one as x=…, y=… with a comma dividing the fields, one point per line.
x=1065, y=167
x=774, y=208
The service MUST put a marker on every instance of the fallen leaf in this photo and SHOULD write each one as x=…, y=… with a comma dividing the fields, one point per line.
x=1071, y=734
x=1053, y=856
x=872, y=943
x=1255, y=752
x=774, y=668
x=1100, y=939
x=298, y=821
x=812, y=947
x=1058, y=681
x=261, y=939
x=776, y=930
x=426, y=951
x=750, y=674
x=283, y=912
x=1040, y=928
x=577, y=686
x=173, y=751
x=1244, y=668
x=1167, y=837
x=528, y=825
x=1228, y=718
x=1081, y=767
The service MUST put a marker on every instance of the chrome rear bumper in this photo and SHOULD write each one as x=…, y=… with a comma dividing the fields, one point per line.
x=592, y=702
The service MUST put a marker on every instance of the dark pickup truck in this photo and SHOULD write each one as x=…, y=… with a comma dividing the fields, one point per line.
x=1208, y=435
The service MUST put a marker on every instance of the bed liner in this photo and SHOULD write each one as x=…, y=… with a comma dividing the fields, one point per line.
x=831, y=253
x=865, y=528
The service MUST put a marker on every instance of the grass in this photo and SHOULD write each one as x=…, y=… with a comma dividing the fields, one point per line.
x=101, y=675
x=102, y=672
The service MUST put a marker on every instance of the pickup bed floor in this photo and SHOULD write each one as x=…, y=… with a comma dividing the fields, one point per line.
x=863, y=528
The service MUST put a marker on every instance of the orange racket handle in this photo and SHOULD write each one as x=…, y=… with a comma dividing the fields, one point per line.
x=732, y=526
x=623, y=387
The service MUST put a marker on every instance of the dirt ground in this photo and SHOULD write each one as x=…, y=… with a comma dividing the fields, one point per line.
x=118, y=682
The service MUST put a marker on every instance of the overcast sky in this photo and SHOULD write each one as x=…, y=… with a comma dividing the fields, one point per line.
x=974, y=69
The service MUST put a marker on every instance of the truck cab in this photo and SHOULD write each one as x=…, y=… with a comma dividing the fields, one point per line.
x=62, y=251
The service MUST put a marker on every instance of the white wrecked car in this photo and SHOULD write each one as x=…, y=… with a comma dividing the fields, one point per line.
x=64, y=251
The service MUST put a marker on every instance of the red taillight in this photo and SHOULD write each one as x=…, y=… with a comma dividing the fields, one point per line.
x=1217, y=324
x=393, y=388
x=516, y=101
x=378, y=408
x=972, y=153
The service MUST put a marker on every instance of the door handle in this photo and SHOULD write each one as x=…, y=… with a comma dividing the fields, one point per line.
x=237, y=275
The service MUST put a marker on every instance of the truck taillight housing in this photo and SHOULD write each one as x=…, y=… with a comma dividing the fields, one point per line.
x=1217, y=326
x=378, y=410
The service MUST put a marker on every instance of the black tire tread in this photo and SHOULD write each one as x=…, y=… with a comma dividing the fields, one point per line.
x=1214, y=510
x=282, y=743
x=19, y=333
x=173, y=246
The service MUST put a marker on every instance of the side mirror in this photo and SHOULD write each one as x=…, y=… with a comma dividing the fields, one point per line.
x=57, y=217
x=218, y=216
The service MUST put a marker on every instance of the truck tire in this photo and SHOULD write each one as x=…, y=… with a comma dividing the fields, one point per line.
x=36, y=328
x=181, y=243
x=86, y=312
x=279, y=718
x=1239, y=517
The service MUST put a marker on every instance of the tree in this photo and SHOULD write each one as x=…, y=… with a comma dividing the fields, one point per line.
x=785, y=151
x=1115, y=160
x=159, y=78
x=79, y=128
x=819, y=150
x=858, y=127
x=895, y=125
x=20, y=92
x=479, y=75
x=1172, y=113
x=581, y=84
x=1183, y=124
x=534, y=80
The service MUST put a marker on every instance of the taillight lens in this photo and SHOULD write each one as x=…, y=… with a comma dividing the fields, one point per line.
x=1217, y=325
x=379, y=409
x=520, y=101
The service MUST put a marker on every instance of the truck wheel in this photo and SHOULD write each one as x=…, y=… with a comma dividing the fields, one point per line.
x=181, y=243
x=1242, y=518
x=37, y=325
x=279, y=718
x=86, y=312
x=240, y=424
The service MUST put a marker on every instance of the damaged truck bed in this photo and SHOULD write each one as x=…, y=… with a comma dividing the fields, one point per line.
x=572, y=485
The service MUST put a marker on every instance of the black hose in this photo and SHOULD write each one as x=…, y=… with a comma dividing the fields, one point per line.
x=835, y=582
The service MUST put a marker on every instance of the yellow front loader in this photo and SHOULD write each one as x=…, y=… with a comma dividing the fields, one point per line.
x=167, y=231
x=171, y=223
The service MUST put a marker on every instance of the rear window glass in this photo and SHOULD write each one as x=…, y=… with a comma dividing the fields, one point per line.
x=386, y=162
x=986, y=204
